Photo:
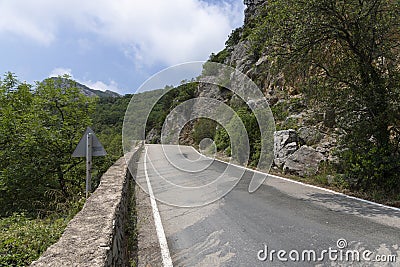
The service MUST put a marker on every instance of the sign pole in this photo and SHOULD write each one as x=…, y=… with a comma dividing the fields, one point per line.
x=89, y=146
x=88, y=163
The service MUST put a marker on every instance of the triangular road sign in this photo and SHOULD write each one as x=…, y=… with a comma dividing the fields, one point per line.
x=97, y=147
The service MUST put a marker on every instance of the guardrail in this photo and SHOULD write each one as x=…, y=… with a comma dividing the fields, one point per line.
x=96, y=235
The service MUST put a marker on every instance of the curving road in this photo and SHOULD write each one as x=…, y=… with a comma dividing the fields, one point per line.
x=283, y=223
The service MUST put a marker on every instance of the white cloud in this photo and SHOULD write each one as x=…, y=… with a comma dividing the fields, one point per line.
x=99, y=85
x=60, y=72
x=152, y=31
x=25, y=19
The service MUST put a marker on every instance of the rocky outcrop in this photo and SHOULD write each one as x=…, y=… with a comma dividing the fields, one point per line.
x=303, y=162
x=310, y=135
x=327, y=146
x=63, y=82
x=153, y=137
x=294, y=154
x=252, y=9
x=240, y=57
x=211, y=90
x=285, y=144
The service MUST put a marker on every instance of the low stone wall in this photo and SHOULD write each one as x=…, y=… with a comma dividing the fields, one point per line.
x=95, y=236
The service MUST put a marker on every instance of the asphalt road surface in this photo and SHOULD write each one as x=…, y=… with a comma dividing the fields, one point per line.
x=283, y=223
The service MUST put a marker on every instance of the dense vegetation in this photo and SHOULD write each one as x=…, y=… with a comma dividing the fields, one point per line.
x=342, y=57
x=40, y=127
x=41, y=185
x=345, y=55
x=107, y=121
x=171, y=97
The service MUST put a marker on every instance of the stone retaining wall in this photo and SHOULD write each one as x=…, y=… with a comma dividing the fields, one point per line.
x=95, y=236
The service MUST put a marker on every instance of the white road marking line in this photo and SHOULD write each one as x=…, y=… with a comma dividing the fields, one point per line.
x=166, y=257
x=334, y=192
x=304, y=184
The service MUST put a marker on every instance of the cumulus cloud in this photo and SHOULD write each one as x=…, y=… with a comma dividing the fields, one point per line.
x=97, y=85
x=61, y=72
x=149, y=32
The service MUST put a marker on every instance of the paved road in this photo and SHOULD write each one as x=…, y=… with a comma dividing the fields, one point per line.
x=280, y=215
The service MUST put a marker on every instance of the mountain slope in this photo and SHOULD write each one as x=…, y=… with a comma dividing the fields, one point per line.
x=86, y=90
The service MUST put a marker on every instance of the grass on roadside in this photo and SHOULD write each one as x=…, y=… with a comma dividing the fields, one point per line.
x=23, y=238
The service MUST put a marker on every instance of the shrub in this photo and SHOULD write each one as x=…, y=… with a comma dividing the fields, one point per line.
x=23, y=240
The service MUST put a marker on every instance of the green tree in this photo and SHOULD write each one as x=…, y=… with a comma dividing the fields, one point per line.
x=18, y=171
x=63, y=112
x=346, y=55
x=204, y=128
x=40, y=127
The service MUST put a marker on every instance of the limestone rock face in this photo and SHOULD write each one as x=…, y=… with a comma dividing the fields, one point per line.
x=310, y=135
x=240, y=57
x=286, y=142
x=153, y=137
x=211, y=91
x=303, y=162
x=252, y=8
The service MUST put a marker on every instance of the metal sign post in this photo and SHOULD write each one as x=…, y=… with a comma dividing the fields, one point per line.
x=88, y=164
x=89, y=146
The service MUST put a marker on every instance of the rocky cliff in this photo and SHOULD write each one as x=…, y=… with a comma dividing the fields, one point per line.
x=336, y=111
x=306, y=133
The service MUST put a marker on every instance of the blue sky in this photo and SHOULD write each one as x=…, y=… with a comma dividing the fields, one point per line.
x=110, y=44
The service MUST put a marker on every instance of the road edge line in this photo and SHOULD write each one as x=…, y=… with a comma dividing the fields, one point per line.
x=304, y=184
x=165, y=254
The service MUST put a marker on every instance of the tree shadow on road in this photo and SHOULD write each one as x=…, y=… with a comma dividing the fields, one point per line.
x=354, y=206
